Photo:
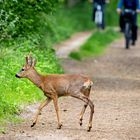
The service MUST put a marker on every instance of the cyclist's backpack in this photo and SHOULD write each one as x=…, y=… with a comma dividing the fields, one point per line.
x=98, y=15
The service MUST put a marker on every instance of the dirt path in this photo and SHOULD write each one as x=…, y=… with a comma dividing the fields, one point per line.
x=63, y=49
x=116, y=95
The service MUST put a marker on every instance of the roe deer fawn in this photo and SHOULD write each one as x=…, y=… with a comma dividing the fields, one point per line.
x=57, y=85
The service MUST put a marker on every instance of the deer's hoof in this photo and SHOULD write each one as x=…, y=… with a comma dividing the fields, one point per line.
x=80, y=122
x=59, y=126
x=89, y=129
x=33, y=125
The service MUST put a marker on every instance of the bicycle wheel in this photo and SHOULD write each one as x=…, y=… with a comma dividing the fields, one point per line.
x=127, y=35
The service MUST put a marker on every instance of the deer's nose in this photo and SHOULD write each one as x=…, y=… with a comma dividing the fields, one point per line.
x=17, y=76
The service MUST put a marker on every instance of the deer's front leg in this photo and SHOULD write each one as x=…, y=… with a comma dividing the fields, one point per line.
x=55, y=101
x=42, y=105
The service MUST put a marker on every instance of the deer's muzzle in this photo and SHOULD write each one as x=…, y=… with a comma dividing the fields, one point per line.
x=17, y=76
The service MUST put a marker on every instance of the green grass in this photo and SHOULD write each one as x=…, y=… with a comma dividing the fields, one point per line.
x=96, y=44
x=3, y=130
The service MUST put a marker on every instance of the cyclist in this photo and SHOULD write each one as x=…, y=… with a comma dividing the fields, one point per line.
x=131, y=5
x=102, y=4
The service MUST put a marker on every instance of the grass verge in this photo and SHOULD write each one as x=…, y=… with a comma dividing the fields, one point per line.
x=96, y=44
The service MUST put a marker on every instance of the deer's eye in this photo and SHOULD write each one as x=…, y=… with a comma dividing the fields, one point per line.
x=22, y=69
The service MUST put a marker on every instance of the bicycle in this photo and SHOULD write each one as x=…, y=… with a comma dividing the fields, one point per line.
x=128, y=18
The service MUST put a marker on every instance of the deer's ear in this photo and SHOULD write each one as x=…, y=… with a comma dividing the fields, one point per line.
x=33, y=62
x=26, y=59
x=29, y=59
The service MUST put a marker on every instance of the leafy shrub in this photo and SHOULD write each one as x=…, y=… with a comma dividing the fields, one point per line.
x=21, y=17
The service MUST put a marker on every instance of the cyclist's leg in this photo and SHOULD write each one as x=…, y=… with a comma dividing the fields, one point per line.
x=134, y=34
x=93, y=15
x=134, y=29
x=122, y=23
x=94, y=10
x=103, y=17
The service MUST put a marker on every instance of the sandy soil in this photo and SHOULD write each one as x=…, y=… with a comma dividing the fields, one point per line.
x=116, y=96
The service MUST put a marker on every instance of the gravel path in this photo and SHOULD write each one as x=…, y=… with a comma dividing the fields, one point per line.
x=116, y=95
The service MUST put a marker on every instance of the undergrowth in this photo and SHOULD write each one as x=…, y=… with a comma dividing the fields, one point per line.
x=65, y=22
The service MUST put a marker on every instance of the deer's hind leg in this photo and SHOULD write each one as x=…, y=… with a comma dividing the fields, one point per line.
x=86, y=92
x=89, y=102
x=91, y=115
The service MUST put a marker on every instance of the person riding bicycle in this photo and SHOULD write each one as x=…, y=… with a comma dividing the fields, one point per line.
x=102, y=4
x=131, y=5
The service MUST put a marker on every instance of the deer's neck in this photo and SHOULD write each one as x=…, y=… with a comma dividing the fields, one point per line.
x=36, y=78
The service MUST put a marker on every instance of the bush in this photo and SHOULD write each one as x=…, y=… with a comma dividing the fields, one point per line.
x=20, y=18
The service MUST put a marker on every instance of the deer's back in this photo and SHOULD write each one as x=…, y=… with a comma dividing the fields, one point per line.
x=64, y=84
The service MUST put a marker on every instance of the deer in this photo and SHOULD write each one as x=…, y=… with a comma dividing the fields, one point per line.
x=58, y=85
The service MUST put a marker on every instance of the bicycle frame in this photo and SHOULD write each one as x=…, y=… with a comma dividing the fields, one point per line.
x=128, y=18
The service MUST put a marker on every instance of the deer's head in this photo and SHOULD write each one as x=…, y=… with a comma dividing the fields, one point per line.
x=27, y=68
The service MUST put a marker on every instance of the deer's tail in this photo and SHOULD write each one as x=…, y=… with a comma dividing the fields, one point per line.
x=88, y=84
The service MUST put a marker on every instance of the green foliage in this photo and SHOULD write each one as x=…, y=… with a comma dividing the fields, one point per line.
x=76, y=55
x=111, y=15
x=21, y=17
x=66, y=21
x=2, y=130
x=138, y=20
x=96, y=44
